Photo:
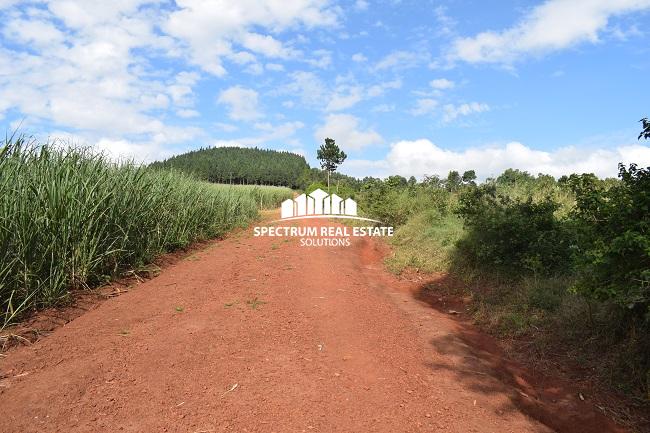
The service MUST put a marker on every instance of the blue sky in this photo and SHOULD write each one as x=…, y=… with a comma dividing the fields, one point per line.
x=405, y=87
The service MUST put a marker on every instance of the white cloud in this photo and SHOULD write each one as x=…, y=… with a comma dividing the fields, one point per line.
x=226, y=127
x=140, y=150
x=424, y=106
x=307, y=87
x=451, y=111
x=242, y=103
x=276, y=67
x=383, y=108
x=361, y=5
x=550, y=26
x=364, y=167
x=380, y=89
x=345, y=97
x=314, y=93
x=92, y=68
x=345, y=129
x=398, y=60
x=254, y=69
x=121, y=149
x=441, y=84
x=322, y=59
x=445, y=25
x=77, y=66
x=422, y=157
x=359, y=58
x=270, y=133
x=266, y=45
x=180, y=90
x=211, y=30
x=187, y=113
x=6, y=4
x=37, y=32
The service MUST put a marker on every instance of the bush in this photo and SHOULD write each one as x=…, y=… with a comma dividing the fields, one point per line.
x=614, y=227
x=513, y=236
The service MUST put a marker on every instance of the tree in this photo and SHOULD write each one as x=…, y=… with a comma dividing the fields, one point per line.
x=646, y=128
x=469, y=177
x=330, y=157
x=453, y=181
x=236, y=165
x=433, y=181
x=396, y=181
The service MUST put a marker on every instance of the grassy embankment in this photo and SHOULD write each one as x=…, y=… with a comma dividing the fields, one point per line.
x=560, y=267
x=72, y=219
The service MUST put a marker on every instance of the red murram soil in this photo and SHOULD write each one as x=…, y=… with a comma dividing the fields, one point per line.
x=258, y=334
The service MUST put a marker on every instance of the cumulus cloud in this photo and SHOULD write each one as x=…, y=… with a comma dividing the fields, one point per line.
x=180, y=88
x=422, y=157
x=348, y=133
x=122, y=149
x=242, y=103
x=91, y=68
x=322, y=59
x=313, y=92
x=359, y=57
x=138, y=149
x=361, y=5
x=268, y=133
x=383, y=108
x=226, y=127
x=398, y=60
x=452, y=111
x=424, y=106
x=381, y=88
x=550, y=26
x=79, y=67
x=441, y=84
x=276, y=67
x=307, y=87
x=345, y=97
x=186, y=113
x=212, y=32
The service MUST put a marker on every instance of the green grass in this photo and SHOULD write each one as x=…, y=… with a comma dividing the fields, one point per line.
x=71, y=219
x=426, y=242
x=266, y=197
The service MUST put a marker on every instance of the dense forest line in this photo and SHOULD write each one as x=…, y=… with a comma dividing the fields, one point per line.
x=240, y=165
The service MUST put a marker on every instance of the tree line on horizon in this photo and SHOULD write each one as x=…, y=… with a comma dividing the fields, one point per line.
x=240, y=165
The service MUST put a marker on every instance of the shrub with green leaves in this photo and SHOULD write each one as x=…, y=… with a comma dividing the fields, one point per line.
x=614, y=227
x=513, y=235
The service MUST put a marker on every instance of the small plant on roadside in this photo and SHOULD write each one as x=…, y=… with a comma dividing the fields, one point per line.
x=255, y=303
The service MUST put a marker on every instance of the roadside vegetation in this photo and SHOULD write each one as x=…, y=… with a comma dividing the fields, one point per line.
x=71, y=219
x=562, y=263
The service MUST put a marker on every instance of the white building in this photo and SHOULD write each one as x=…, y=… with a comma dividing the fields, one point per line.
x=318, y=203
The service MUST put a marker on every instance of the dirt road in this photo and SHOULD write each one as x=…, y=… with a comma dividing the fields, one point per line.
x=263, y=335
